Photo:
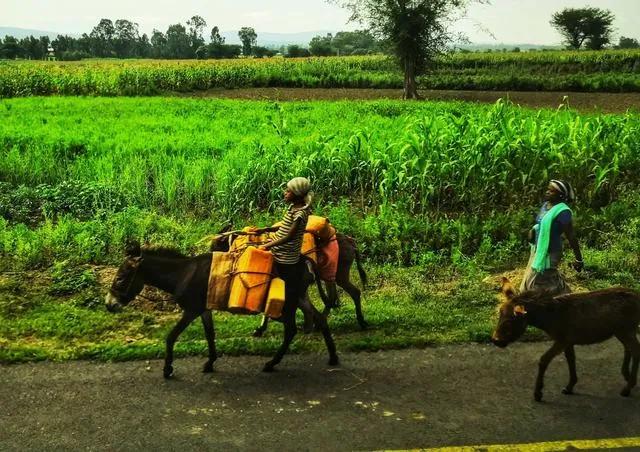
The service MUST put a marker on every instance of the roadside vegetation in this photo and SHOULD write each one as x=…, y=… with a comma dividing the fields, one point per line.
x=439, y=197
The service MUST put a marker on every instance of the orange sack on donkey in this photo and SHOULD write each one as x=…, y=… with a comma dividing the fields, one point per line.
x=327, y=249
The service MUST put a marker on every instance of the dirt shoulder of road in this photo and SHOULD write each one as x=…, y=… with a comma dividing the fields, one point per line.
x=589, y=102
x=443, y=396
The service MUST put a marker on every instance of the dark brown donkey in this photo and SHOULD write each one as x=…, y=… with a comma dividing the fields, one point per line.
x=574, y=319
x=186, y=278
x=347, y=255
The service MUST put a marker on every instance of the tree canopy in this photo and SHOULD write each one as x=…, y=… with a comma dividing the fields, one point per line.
x=415, y=31
x=591, y=27
x=249, y=39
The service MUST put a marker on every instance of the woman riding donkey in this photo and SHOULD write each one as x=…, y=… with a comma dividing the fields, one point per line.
x=286, y=248
x=186, y=278
x=554, y=220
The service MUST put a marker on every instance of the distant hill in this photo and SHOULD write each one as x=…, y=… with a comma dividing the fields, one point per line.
x=508, y=46
x=267, y=39
x=26, y=32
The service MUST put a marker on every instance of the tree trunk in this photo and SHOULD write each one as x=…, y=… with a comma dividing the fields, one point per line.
x=410, y=84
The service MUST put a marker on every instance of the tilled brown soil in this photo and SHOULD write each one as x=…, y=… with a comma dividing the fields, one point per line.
x=603, y=102
x=445, y=396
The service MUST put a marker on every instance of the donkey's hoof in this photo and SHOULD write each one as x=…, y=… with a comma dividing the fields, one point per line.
x=167, y=372
x=208, y=368
x=537, y=396
x=258, y=333
x=334, y=361
x=567, y=391
x=268, y=367
x=364, y=325
x=626, y=392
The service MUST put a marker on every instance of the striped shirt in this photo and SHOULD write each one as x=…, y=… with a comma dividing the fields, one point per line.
x=290, y=252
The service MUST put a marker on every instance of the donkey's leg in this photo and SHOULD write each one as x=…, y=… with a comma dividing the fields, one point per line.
x=355, y=294
x=554, y=351
x=332, y=293
x=632, y=347
x=289, y=321
x=185, y=320
x=321, y=321
x=626, y=361
x=333, y=299
x=210, y=334
x=307, y=309
x=570, y=354
x=262, y=328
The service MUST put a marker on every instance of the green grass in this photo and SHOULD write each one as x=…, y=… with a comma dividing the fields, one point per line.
x=406, y=307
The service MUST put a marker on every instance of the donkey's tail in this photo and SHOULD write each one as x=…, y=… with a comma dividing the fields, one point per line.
x=361, y=272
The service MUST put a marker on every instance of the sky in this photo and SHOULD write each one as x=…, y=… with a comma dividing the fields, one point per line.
x=509, y=21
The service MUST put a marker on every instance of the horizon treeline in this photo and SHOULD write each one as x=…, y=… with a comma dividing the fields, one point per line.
x=122, y=39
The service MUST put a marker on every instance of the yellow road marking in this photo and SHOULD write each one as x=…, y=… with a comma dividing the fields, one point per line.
x=583, y=444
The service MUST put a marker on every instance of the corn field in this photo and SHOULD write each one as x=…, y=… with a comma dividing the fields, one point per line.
x=180, y=155
x=613, y=71
x=80, y=175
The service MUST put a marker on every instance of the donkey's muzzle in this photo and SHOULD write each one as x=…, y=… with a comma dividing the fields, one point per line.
x=499, y=343
x=112, y=303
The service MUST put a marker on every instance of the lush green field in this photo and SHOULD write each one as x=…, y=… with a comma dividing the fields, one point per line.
x=608, y=71
x=438, y=195
x=427, y=177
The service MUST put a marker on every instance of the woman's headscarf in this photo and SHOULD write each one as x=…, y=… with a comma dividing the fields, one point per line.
x=565, y=189
x=301, y=186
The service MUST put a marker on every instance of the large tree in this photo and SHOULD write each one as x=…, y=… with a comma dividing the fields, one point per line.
x=102, y=38
x=590, y=26
x=32, y=48
x=216, y=39
x=158, y=43
x=10, y=48
x=354, y=42
x=178, y=42
x=249, y=39
x=196, y=27
x=126, y=38
x=321, y=45
x=143, y=46
x=416, y=31
x=628, y=43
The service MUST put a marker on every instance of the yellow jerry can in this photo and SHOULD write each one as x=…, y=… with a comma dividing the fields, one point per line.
x=275, y=298
x=251, y=281
x=220, y=280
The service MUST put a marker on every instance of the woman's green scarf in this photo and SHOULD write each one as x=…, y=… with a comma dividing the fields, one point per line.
x=541, y=261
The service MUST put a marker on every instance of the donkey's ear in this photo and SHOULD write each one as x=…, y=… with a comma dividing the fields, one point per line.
x=132, y=248
x=507, y=288
x=226, y=228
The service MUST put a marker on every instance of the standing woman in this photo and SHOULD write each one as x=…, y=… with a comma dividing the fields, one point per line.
x=290, y=265
x=554, y=220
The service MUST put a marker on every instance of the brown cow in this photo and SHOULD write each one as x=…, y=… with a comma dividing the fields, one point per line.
x=573, y=319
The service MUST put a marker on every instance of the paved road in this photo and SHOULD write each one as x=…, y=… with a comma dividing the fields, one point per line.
x=447, y=396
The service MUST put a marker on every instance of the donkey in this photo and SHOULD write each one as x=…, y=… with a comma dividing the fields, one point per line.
x=573, y=319
x=348, y=254
x=186, y=278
